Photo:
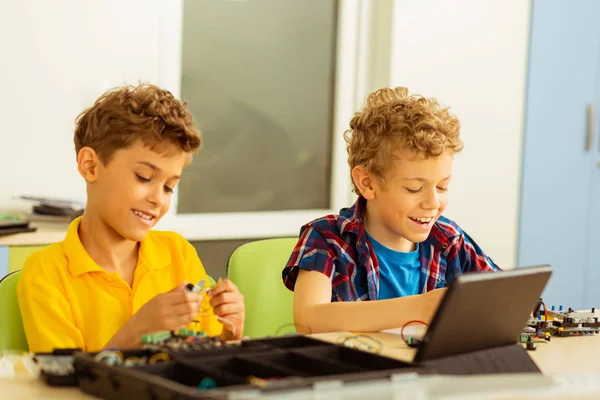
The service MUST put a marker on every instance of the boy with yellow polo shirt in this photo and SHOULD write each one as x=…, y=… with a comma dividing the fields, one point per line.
x=112, y=279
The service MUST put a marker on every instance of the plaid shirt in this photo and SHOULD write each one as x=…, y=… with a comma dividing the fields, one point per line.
x=337, y=246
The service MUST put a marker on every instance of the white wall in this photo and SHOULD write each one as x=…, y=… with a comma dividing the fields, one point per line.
x=57, y=57
x=472, y=56
x=65, y=53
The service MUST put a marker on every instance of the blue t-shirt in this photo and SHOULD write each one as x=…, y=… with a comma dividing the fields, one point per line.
x=400, y=272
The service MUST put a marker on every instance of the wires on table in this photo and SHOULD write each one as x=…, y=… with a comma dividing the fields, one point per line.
x=411, y=341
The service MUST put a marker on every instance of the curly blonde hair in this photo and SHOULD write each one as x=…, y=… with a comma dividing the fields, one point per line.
x=126, y=114
x=392, y=119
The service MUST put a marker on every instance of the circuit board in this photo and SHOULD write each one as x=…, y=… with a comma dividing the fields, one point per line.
x=569, y=322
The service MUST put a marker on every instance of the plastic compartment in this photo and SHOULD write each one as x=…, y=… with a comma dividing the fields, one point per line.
x=346, y=355
x=283, y=363
x=165, y=380
x=289, y=342
x=245, y=348
x=243, y=367
x=305, y=365
x=191, y=375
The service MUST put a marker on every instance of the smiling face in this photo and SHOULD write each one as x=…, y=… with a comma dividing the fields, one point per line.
x=403, y=206
x=132, y=192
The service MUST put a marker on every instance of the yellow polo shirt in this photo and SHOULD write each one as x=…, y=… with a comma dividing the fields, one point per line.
x=68, y=301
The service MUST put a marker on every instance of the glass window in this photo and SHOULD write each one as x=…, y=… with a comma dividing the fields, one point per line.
x=258, y=76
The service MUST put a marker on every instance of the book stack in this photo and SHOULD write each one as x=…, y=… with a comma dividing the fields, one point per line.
x=11, y=224
x=52, y=214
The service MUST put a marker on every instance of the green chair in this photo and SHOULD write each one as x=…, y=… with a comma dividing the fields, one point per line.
x=12, y=335
x=255, y=268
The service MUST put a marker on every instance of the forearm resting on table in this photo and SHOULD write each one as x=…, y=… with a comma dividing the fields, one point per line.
x=315, y=313
x=362, y=316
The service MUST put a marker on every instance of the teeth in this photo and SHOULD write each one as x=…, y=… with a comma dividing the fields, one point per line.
x=423, y=220
x=143, y=215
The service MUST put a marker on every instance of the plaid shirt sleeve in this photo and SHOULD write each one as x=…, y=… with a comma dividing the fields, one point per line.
x=472, y=258
x=312, y=253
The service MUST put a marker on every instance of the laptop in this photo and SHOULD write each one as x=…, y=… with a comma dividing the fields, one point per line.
x=483, y=310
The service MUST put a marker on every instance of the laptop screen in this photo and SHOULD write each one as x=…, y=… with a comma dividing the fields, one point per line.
x=482, y=310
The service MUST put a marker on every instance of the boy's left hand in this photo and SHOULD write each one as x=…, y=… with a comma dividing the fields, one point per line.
x=227, y=302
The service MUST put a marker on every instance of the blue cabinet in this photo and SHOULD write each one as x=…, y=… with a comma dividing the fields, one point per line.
x=593, y=286
x=560, y=203
x=3, y=261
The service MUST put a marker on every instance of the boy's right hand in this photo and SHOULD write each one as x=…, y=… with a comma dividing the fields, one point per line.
x=168, y=311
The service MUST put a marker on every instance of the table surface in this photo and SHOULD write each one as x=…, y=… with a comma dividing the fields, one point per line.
x=37, y=238
x=566, y=361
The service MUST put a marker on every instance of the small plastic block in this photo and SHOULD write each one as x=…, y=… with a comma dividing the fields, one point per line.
x=523, y=338
x=155, y=337
x=413, y=342
x=199, y=287
x=207, y=383
x=253, y=380
x=162, y=335
x=186, y=332
x=147, y=338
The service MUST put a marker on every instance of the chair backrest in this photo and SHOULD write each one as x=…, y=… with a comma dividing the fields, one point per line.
x=12, y=334
x=256, y=270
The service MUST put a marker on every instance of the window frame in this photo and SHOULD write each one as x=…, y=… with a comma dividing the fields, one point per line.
x=351, y=52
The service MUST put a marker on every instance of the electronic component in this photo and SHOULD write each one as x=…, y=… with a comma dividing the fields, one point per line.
x=363, y=343
x=413, y=342
x=207, y=383
x=183, y=340
x=189, y=332
x=199, y=287
x=156, y=337
x=56, y=368
x=561, y=322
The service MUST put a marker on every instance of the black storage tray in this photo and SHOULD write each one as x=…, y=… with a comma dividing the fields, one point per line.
x=282, y=363
x=245, y=347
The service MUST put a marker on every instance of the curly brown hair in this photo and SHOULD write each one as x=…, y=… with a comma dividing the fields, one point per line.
x=126, y=114
x=392, y=119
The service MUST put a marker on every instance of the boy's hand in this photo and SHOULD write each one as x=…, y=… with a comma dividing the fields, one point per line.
x=168, y=311
x=227, y=302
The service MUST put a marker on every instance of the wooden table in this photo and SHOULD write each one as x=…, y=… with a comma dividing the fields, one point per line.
x=580, y=354
x=27, y=388
x=575, y=356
